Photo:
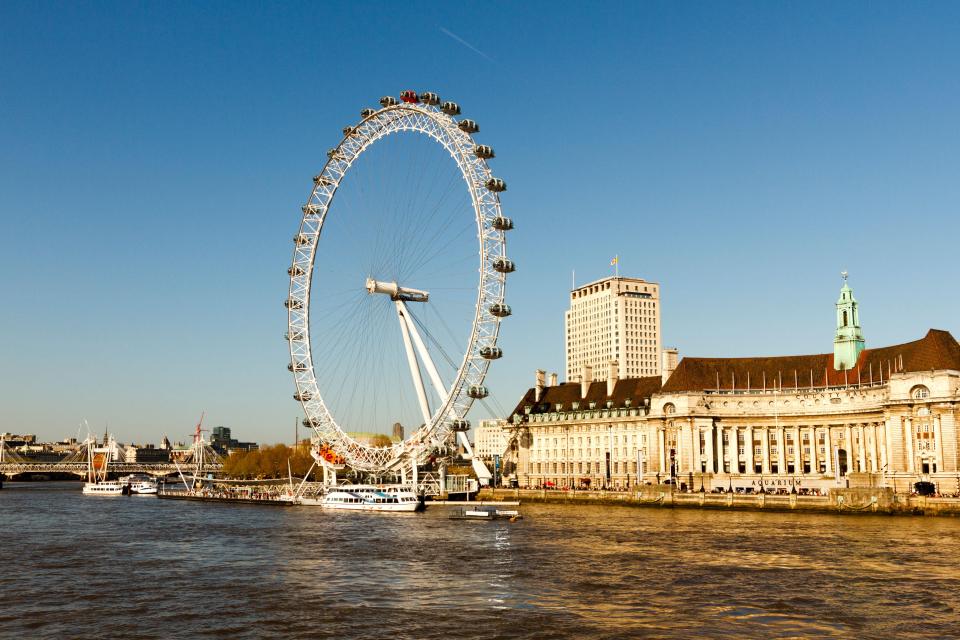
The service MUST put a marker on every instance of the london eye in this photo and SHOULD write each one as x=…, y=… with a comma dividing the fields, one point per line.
x=397, y=284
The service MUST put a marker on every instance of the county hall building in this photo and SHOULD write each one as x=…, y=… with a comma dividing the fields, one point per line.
x=853, y=417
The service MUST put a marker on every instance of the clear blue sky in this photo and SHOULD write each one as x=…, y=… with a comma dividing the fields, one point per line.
x=153, y=158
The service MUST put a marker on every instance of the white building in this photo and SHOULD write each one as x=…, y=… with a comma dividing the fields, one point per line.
x=490, y=439
x=614, y=319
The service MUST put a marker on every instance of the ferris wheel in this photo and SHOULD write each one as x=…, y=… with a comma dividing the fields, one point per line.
x=406, y=271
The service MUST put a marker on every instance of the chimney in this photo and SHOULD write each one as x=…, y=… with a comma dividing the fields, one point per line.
x=586, y=377
x=553, y=379
x=669, y=360
x=612, y=373
x=538, y=391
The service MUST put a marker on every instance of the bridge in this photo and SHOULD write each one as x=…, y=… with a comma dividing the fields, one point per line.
x=200, y=459
x=158, y=469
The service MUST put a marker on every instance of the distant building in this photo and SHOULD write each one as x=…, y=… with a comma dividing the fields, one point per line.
x=490, y=439
x=614, y=319
x=222, y=441
x=147, y=454
x=14, y=440
x=397, y=432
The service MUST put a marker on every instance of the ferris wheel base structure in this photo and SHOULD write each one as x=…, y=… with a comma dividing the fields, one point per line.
x=443, y=405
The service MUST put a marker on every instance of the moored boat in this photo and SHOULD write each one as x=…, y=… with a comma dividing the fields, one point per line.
x=486, y=514
x=366, y=497
x=140, y=484
x=105, y=488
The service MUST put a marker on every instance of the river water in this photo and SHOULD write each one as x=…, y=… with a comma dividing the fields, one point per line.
x=73, y=566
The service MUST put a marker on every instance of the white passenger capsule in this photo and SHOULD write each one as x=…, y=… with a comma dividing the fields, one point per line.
x=478, y=391
x=496, y=185
x=491, y=353
x=500, y=310
x=468, y=126
x=430, y=98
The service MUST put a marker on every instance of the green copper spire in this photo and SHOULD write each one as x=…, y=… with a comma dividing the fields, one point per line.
x=848, y=342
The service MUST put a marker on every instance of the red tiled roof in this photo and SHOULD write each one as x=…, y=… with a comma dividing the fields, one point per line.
x=937, y=350
x=636, y=389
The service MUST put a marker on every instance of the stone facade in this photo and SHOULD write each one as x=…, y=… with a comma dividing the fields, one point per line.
x=774, y=422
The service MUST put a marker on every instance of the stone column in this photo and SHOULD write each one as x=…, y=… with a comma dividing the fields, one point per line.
x=862, y=448
x=748, y=448
x=719, y=432
x=708, y=436
x=797, y=452
x=848, y=446
x=734, y=449
x=828, y=451
x=694, y=447
x=697, y=451
x=662, y=445
x=909, y=446
x=874, y=449
x=814, y=464
x=765, y=449
x=782, y=451
x=886, y=447
x=938, y=441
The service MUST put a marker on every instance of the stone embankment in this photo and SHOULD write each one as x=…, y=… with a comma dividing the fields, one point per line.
x=844, y=501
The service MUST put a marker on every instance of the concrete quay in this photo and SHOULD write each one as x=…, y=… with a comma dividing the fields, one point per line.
x=838, y=501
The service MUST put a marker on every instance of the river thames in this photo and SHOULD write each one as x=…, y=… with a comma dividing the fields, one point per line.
x=122, y=567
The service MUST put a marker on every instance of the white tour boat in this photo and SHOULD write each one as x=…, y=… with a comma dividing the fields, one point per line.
x=367, y=497
x=140, y=484
x=104, y=488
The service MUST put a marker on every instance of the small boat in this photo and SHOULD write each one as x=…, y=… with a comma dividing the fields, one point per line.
x=486, y=514
x=140, y=484
x=367, y=497
x=105, y=488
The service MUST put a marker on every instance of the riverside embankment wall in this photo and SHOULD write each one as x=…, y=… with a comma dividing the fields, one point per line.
x=844, y=501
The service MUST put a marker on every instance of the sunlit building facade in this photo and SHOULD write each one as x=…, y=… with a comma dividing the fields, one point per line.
x=614, y=319
x=854, y=417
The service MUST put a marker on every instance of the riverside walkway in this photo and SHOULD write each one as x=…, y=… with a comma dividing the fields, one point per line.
x=845, y=501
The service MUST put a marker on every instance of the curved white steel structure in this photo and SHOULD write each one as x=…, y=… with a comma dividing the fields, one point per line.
x=426, y=116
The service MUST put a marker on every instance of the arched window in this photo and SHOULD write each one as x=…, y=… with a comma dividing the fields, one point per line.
x=844, y=318
x=669, y=408
x=920, y=392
